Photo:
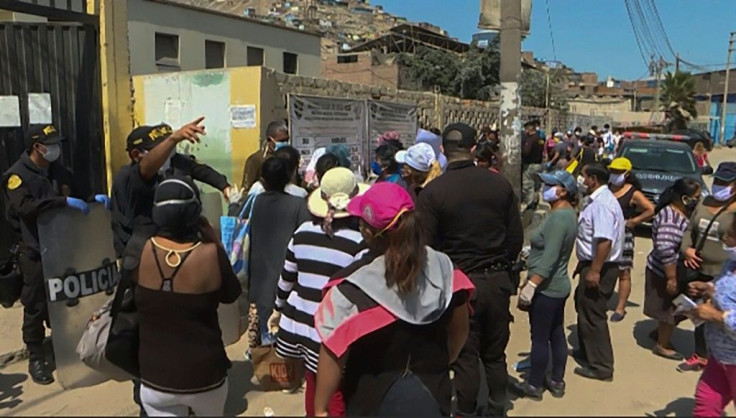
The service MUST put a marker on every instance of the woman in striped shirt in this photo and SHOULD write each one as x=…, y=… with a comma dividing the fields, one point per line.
x=669, y=225
x=318, y=250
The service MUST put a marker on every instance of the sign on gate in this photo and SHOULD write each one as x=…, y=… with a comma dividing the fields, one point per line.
x=317, y=122
x=81, y=274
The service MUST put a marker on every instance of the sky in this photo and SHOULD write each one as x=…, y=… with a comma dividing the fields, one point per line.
x=595, y=35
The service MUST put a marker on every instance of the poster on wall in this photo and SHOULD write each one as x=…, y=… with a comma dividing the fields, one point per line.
x=317, y=122
x=387, y=116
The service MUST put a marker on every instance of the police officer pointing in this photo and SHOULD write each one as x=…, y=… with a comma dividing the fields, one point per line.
x=152, y=151
x=34, y=184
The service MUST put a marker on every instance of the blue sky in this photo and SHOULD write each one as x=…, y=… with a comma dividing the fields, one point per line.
x=595, y=35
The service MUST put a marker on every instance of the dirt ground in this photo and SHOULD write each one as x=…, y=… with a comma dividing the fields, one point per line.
x=644, y=384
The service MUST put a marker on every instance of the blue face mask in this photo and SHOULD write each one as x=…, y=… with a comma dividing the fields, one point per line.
x=279, y=145
x=376, y=168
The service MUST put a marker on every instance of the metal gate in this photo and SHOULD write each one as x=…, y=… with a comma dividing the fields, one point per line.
x=61, y=61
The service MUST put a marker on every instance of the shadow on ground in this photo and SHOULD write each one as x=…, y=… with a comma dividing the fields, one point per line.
x=682, y=407
x=682, y=339
x=239, y=383
x=11, y=390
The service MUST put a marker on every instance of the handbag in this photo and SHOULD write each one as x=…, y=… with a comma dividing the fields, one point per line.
x=274, y=372
x=235, y=236
x=123, y=339
x=92, y=345
x=686, y=275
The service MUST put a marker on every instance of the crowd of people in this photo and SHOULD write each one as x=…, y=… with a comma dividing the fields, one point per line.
x=394, y=286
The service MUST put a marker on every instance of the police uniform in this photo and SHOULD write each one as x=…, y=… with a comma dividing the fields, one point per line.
x=29, y=191
x=132, y=195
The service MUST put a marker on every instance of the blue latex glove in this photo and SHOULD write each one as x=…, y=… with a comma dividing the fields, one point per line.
x=77, y=204
x=104, y=199
x=550, y=166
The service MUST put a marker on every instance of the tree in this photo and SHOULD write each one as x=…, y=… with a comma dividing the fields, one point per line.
x=533, y=88
x=472, y=75
x=678, y=99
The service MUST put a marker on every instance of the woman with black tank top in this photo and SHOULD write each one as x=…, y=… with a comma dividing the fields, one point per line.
x=637, y=209
x=393, y=322
x=183, y=276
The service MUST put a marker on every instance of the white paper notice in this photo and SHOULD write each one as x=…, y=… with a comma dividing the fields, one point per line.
x=39, y=108
x=243, y=117
x=172, y=110
x=9, y=112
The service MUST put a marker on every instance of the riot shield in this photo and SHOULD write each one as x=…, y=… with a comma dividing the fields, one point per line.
x=228, y=314
x=81, y=274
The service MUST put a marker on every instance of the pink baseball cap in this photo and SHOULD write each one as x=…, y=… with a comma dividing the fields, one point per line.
x=382, y=205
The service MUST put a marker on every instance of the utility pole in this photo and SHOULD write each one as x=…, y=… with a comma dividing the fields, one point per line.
x=677, y=62
x=722, y=137
x=546, y=103
x=510, y=114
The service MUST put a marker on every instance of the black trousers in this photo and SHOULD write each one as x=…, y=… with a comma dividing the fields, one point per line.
x=592, y=307
x=33, y=298
x=487, y=340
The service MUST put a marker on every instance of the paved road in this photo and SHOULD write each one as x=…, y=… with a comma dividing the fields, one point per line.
x=643, y=384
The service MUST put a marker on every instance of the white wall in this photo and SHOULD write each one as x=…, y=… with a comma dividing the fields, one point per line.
x=193, y=27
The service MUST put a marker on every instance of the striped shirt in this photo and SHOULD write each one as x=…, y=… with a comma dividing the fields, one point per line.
x=311, y=259
x=668, y=229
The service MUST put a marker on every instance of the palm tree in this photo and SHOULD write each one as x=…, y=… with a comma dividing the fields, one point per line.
x=678, y=99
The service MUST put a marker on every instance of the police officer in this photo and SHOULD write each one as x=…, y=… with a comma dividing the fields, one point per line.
x=532, y=156
x=34, y=184
x=152, y=151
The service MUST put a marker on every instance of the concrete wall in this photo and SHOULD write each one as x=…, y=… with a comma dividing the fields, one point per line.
x=193, y=27
x=592, y=107
x=177, y=98
x=361, y=72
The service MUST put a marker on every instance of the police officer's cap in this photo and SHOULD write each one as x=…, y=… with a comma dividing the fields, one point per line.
x=531, y=124
x=146, y=137
x=43, y=134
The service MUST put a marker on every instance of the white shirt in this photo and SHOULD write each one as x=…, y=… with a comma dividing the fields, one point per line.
x=601, y=218
x=291, y=189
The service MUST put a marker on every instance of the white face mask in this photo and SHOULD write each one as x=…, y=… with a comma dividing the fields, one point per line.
x=581, y=185
x=549, y=193
x=617, y=179
x=53, y=152
x=730, y=252
x=722, y=193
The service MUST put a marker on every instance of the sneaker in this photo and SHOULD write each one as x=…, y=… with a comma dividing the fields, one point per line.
x=694, y=364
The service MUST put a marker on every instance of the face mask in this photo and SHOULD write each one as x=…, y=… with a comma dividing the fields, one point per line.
x=731, y=252
x=581, y=185
x=689, y=203
x=549, y=193
x=722, y=193
x=52, y=153
x=167, y=164
x=617, y=179
x=376, y=168
x=279, y=145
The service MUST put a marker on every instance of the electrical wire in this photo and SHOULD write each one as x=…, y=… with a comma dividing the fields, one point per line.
x=639, y=42
x=551, y=33
x=658, y=21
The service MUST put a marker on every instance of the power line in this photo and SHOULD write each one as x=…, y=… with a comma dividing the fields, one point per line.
x=551, y=34
x=646, y=29
x=658, y=22
x=639, y=42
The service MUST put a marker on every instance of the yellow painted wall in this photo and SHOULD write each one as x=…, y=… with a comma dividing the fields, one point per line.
x=244, y=86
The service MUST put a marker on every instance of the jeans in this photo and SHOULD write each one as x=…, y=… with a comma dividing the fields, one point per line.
x=487, y=340
x=203, y=404
x=546, y=317
x=716, y=389
x=409, y=397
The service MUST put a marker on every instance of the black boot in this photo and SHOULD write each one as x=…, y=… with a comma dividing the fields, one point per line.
x=39, y=372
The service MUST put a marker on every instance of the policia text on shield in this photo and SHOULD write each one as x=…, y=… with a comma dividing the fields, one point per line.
x=36, y=183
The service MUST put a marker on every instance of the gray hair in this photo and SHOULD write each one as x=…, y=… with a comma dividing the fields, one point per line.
x=276, y=127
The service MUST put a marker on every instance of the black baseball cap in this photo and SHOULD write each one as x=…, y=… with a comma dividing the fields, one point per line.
x=726, y=172
x=459, y=135
x=43, y=134
x=146, y=137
